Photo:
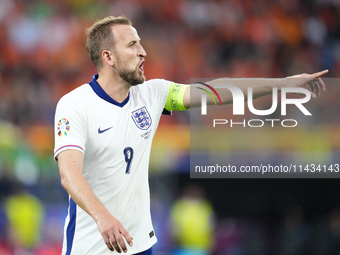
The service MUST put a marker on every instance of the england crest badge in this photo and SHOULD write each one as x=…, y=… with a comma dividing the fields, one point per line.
x=141, y=117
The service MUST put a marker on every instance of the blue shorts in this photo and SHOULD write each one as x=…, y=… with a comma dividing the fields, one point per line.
x=147, y=252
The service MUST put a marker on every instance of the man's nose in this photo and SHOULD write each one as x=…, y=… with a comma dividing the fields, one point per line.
x=141, y=51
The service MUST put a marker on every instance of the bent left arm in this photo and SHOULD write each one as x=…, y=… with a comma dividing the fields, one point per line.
x=261, y=87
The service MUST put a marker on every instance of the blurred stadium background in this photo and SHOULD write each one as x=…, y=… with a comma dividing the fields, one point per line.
x=43, y=56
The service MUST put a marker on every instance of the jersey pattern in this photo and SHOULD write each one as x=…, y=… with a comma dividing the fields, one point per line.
x=116, y=141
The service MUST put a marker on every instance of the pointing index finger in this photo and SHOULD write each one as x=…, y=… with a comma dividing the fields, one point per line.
x=319, y=74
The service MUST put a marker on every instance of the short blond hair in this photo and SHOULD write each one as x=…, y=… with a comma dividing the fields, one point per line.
x=100, y=37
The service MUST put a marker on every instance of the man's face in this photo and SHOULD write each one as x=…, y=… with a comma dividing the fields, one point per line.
x=129, y=54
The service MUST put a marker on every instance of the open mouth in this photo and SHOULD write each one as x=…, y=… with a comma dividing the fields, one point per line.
x=140, y=68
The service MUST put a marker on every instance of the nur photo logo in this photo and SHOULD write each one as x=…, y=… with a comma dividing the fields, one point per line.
x=238, y=99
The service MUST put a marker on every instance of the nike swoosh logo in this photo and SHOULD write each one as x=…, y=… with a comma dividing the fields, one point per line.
x=104, y=130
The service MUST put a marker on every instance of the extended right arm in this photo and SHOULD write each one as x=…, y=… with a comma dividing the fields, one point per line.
x=70, y=166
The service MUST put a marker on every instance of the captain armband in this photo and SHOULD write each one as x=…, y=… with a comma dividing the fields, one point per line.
x=175, y=99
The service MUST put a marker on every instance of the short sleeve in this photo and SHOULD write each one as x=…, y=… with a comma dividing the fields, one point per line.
x=69, y=126
x=158, y=89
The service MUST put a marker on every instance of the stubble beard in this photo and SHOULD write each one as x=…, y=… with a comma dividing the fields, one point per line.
x=132, y=77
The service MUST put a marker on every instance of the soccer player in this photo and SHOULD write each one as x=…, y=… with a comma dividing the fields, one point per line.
x=103, y=136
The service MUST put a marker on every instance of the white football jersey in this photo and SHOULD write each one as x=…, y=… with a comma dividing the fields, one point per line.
x=116, y=141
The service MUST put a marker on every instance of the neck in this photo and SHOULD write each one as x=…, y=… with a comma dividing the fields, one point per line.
x=113, y=85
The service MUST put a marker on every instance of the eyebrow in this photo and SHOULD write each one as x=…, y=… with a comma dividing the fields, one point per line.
x=134, y=41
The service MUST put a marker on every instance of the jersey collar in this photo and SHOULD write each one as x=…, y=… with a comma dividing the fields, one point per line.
x=102, y=94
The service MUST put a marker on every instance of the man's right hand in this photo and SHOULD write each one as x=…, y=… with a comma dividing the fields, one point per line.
x=112, y=231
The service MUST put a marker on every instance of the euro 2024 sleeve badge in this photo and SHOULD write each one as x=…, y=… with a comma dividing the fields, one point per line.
x=63, y=127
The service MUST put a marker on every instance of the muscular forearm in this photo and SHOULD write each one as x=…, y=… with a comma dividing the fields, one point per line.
x=76, y=185
x=260, y=87
x=82, y=194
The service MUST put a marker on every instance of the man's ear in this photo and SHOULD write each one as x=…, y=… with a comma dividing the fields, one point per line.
x=108, y=58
